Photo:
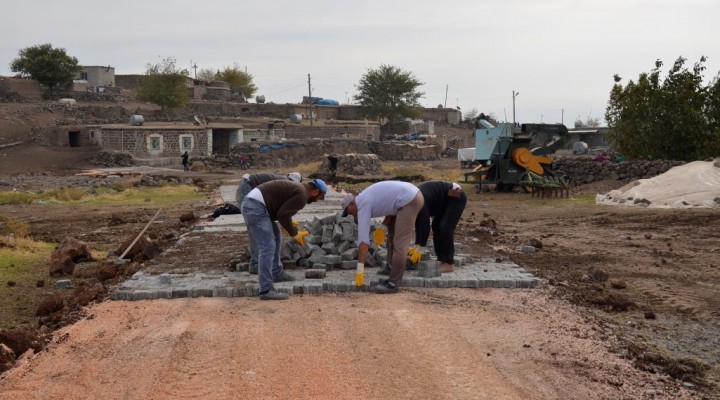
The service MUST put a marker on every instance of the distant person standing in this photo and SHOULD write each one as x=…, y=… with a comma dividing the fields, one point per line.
x=444, y=203
x=250, y=182
x=185, y=161
x=276, y=201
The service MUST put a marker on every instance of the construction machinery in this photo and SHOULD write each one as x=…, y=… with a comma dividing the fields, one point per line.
x=505, y=160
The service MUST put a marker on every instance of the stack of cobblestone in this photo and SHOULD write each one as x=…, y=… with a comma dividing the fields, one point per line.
x=331, y=245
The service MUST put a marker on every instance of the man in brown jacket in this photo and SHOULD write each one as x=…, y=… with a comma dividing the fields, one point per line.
x=276, y=201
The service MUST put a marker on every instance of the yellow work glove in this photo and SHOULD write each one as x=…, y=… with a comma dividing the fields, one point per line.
x=415, y=254
x=379, y=235
x=360, y=274
x=300, y=237
x=294, y=223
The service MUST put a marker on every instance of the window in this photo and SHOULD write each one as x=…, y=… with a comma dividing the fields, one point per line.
x=154, y=144
x=83, y=76
x=186, y=142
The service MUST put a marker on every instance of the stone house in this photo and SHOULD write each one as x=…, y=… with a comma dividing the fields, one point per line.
x=95, y=78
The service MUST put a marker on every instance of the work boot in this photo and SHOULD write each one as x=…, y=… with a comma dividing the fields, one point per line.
x=273, y=294
x=385, y=271
x=284, y=277
x=385, y=287
x=253, y=269
x=445, y=268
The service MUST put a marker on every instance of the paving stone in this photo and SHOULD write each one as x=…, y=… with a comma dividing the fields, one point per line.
x=314, y=239
x=315, y=273
x=349, y=254
x=144, y=294
x=348, y=264
x=223, y=292
x=330, y=248
x=348, y=232
x=333, y=260
x=201, y=292
x=337, y=233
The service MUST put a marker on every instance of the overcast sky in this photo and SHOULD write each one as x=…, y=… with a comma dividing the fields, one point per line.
x=557, y=54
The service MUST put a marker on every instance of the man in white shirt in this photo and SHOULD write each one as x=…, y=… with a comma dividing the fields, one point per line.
x=399, y=203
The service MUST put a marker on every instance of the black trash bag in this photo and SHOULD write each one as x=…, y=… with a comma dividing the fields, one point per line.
x=226, y=209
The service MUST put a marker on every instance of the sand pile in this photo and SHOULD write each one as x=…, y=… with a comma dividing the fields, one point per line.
x=696, y=184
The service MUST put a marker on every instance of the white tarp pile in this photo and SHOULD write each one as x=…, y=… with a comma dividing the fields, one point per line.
x=696, y=184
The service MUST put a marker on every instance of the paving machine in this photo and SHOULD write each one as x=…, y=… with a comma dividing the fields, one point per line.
x=504, y=156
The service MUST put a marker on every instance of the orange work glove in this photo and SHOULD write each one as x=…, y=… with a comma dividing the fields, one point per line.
x=379, y=235
x=300, y=237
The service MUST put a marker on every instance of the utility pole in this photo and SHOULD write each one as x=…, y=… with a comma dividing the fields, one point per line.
x=562, y=116
x=194, y=66
x=514, y=95
x=446, y=91
x=310, y=102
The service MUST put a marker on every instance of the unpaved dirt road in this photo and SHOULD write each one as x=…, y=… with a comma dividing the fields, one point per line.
x=649, y=330
x=420, y=344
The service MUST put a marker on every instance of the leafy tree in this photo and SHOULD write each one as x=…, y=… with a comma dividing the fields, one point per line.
x=389, y=93
x=50, y=66
x=672, y=118
x=164, y=84
x=240, y=81
x=206, y=75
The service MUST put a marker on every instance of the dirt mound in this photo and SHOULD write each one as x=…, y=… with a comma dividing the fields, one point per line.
x=696, y=184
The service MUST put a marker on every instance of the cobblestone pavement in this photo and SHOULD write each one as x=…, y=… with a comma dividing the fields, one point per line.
x=225, y=283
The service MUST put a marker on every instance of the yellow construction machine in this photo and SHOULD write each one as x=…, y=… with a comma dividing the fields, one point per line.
x=505, y=159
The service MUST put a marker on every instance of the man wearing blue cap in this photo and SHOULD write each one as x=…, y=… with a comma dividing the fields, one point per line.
x=276, y=201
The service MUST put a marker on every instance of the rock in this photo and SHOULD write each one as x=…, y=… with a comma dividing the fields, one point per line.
x=649, y=315
x=66, y=254
x=527, y=249
x=50, y=305
x=7, y=358
x=597, y=275
x=535, y=243
x=63, y=284
x=618, y=284
x=107, y=271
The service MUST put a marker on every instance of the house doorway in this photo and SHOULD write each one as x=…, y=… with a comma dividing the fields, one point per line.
x=74, y=138
x=223, y=140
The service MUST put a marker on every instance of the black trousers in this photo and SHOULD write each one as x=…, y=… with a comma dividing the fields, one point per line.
x=443, y=227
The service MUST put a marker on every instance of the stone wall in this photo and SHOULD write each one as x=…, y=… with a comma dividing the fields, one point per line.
x=18, y=90
x=353, y=132
x=135, y=142
x=586, y=169
x=405, y=151
x=265, y=155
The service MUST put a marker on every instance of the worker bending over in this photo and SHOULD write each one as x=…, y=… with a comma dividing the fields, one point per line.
x=444, y=203
x=276, y=201
x=399, y=203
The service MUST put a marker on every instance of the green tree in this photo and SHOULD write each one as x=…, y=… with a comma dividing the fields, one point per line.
x=669, y=118
x=164, y=84
x=206, y=75
x=239, y=81
x=389, y=93
x=50, y=66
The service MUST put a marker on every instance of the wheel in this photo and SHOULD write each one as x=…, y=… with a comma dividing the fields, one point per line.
x=525, y=188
